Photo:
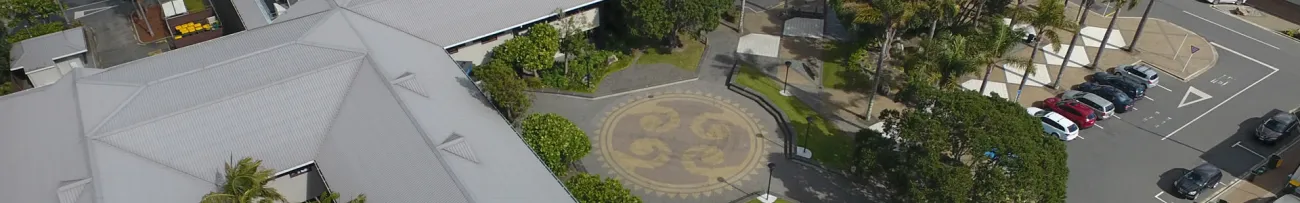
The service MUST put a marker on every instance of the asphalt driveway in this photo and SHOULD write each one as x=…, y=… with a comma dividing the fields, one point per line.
x=112, y=40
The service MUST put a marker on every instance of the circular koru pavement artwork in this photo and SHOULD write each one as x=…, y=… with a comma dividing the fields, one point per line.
x=681, y=144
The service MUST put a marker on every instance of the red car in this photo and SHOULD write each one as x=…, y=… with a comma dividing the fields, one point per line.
x=1078, y=112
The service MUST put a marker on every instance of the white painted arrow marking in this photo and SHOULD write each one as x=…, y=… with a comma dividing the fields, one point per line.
x=1190, y=91
x=88, y=12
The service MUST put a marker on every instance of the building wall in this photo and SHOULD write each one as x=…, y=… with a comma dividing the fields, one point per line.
x=477, y=51
x=49, y=75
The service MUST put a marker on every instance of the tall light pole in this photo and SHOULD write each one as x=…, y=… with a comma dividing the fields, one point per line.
x=767, y=196
x=785, y=87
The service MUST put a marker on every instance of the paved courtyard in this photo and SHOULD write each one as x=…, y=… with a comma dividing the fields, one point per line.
x=681, y=144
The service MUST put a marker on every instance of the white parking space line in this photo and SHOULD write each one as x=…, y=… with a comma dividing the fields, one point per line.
x=1220, y=192
x=1116, y=116
x=1238, y=144
x=1158, y=197
x=1148, y=98
x=1230, y=29
x=1171, y=134
x=1098, y=126
x=1163, y=87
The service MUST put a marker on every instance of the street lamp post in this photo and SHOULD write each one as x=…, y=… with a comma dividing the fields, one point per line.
x=807, y=130
x=767, y=196
x=785, y=88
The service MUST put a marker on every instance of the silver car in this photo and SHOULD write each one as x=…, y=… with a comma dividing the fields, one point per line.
x=1141, y=72
x=1098, y=104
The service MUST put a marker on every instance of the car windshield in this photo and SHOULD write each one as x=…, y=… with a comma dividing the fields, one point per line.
x=1275, y=125
x=1092, y=116
x=1041, y=113
x=1072, y=128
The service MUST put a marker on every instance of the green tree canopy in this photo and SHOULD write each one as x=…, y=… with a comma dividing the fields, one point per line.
x=666, y=19
x=530, y=52
x=556, y=140
x=245, y=182
x=29, y=11
x=35, y=31
x=939, y=154
x=588, y=188
x=505, y=88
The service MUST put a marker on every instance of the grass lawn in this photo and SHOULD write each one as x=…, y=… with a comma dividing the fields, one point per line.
x=835, y=58
x=194, y=5
x=687, y=59
x=830, y=146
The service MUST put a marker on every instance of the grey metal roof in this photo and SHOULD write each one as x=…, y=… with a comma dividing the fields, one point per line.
x=371, y=108
x=40, y=52
x=252, y=13
x=451, y=22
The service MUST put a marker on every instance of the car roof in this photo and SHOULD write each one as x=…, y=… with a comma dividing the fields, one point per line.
x=1077, y=106
x=1145, y=69
x=1092, y=98
x=1053, y=116
x=1206, y=170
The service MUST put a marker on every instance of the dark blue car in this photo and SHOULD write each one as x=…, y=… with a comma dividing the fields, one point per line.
x=1123, y=103
x=1132, y=87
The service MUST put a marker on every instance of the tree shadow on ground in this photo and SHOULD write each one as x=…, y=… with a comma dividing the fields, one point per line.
x=813, y=184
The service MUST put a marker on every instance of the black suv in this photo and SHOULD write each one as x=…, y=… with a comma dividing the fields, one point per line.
x=1133, y=88
x=1276, y=127
x=1123, y=103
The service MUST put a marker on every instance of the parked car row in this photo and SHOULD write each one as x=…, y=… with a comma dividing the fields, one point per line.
x=1099, y=98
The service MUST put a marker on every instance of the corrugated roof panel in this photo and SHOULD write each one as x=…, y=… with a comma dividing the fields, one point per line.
x=71, y=192
x=190, y=58
x=446, y=22
x=334, y=32
x=375, y=148
x=409, y=82
x=281, y=124
x=99, y=100
x=223, y=81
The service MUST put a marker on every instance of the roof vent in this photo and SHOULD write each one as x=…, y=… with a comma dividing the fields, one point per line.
x=69, y=192
x=456, y=145
x=407, y=81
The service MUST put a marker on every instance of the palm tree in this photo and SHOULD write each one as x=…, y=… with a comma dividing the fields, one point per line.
x=891, y=14
x=1047, y=17
x=950, y=55
x=939, y=10
x=1083, y=19
x=998, y=40
x=1126, y=5
x=245, y=183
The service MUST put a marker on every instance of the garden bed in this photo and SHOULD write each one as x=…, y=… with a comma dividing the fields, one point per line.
x=1294, y=34
x=830, y=146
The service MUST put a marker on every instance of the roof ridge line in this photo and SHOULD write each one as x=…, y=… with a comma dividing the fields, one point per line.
x=219, y=63
x=337, y=111
x=389, y=27
x=110, y=115
x=424, y=135
x=326, y=46
x=137, y=155
x=214, y=101
x=110, y=83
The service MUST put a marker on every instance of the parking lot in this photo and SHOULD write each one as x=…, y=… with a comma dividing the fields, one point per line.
x=1136, y=156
